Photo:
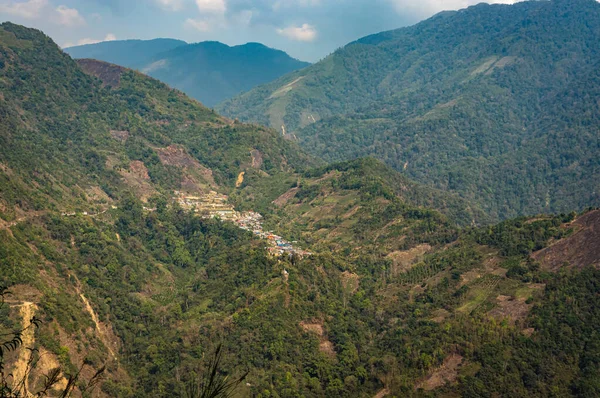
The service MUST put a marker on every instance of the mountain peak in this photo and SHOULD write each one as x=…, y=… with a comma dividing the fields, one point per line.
x=209, y=71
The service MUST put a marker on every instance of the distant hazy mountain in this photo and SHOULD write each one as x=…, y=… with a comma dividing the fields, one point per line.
x=129, y=53
x=209, y=71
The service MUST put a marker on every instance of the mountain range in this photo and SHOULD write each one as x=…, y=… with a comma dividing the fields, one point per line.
x=210, y=72
x=121, y=281
x=494, y=102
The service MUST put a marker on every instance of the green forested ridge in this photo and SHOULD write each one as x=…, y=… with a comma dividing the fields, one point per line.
x=495, y=102
x=211, y=72
x=409, y=290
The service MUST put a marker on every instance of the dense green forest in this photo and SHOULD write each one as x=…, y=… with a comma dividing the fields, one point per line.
x=210, y=72
x=494, y=102
x=408, y=290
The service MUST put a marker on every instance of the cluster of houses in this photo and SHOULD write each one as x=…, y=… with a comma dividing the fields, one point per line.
x=210, y=205
x=214, y=205
x=252, y=221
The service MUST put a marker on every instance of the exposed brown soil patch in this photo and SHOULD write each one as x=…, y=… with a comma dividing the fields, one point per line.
x=257, y=159
x=469, y=277
x=240, y=179
x=96, y=194
x=352, y=212
x=286, y=197
x=21, y=293
x=163, y=122
x=350, y=281
x=119, y=135
x=325, y=346
x=177, y=156
x=382, y=393
x=5, y=169
x=446, y=373
x=27, y=312
x=137, y=177
x=47, y=361
x=328, y=176
x=174, y=155
x=139, y=170
x=510, y=308
x=315, y=328
x=109, y=74
x=404, y=260
x=579, y=250
x=528, y=332
x=440, y=315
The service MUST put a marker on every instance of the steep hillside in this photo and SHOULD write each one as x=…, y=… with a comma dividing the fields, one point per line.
x=110, y=275
x=211, y=72
x=358, y=206
x=495, y=102
x=95, y=139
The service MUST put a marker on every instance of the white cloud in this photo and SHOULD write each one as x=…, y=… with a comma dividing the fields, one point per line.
x=87, y=40
x=69, y=16
x=172, y=5
x=212, y=6
x=30, y=9
x=200, y=25
x=305, y=32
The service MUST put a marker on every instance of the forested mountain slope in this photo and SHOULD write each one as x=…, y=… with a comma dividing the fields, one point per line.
x=88, y=138
x=495, y=102
x=211, y=72
x=396, y=297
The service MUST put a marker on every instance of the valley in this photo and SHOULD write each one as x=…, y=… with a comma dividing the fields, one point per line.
x=435, y=242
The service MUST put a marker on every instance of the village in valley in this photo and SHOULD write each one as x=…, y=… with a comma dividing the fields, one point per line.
x=215, y=205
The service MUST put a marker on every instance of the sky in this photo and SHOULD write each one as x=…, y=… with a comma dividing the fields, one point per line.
x=306, y=29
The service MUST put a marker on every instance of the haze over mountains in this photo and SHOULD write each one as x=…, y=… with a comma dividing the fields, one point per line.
x=495, y=102
x=109, y=245
x=210, y=72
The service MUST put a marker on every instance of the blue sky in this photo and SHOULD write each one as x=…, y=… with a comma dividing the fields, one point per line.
x=306, y=29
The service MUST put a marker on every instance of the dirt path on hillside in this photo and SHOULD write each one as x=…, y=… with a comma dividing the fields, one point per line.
x=30, y=215
x=20, y=371
x=102, y=334
x=105, y=334
x=382, y=393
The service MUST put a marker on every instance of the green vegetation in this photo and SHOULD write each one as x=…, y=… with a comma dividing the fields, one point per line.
x=360, y=203
x=496, y=103
x=404, y=281
x=55, y=113
x=210, y=72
